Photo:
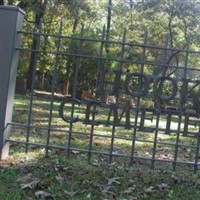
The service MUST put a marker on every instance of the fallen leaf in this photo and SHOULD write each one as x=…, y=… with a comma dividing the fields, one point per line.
x=174, y=178
x=163, y=186
x=28, y=198
x=113, y=164
x=42, y=194
x=58, y=167
x=26, y=186
x=113, y=180
x=129, y=190
x=107, y=192
x=32, y=185
x=28, y=182
x=70, y=194
x=171, y=193
x=65, y=168
x=59, y=178
x=149, y=190
x=75, y=152
x=89, y=196
x=96, y=163
x=25, y=179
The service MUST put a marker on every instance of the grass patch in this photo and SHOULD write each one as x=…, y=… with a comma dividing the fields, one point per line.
x=99, y=138
x=69, y=174
x=58, y=177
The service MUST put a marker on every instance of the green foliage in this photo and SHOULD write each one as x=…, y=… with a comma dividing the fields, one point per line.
x=178, y=20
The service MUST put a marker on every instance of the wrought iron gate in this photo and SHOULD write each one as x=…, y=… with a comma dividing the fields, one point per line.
x=137, y=107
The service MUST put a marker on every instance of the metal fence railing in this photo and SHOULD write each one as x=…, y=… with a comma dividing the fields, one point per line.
x=138, y=101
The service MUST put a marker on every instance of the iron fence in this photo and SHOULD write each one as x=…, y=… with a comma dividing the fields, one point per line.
x=141, y=102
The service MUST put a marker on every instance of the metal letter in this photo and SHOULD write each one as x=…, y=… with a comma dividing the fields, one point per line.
x=143, y=87
x=61, y=110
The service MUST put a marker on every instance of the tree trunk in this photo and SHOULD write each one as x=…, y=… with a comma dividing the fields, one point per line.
x=31, y=64
x=38, y=16
x=66, y=83
x=40, y=84
x=69, y=64
x=108, y=25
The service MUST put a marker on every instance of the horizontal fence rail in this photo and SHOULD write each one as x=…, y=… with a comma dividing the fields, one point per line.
x=137, y=103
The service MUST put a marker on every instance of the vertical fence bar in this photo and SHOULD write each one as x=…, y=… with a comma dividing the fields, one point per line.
x=134, y=136
x=33, y=84
x=100, y=58
x=55, y=74
x=155, y=141
x=186, y=59
x=91, y=133
x=143, y=110
x=11, y=19
x=180, y=114
x=165, y=56
x=168, y=123
x=78, y=60
x=117, y=84
x=97, y=82
x=197, y=151
x=144, y=52
x=177, y=144
x=158, y=114
x=138, y=104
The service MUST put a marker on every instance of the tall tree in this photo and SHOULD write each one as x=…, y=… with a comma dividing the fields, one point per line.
x=178, y=19
x=109, y=17
x=40, y=7
x=78, y=13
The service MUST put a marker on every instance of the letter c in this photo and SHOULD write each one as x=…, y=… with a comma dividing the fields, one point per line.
x=61, y=110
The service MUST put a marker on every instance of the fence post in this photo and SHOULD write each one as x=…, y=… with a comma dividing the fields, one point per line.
x=11, y=18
